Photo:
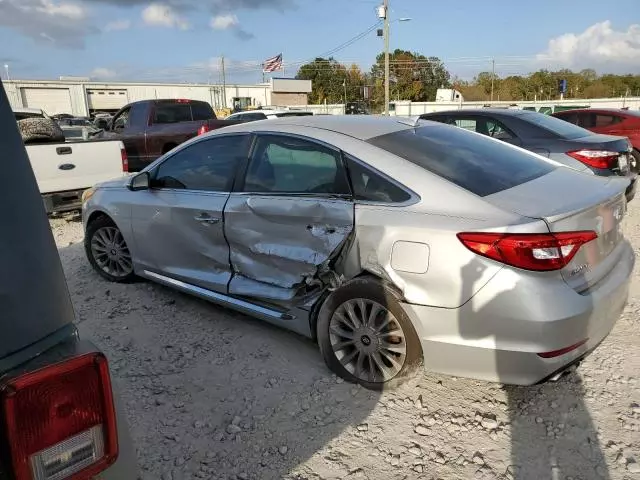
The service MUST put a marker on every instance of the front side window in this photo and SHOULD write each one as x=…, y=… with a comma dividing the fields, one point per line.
x=208, y=165
x=283, y=164
x=122, y=120
x=472, y=162
x=138, y=115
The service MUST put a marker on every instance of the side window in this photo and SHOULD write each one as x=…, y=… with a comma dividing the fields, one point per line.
x=604, y=120
x=498, y=130
x=372, y=187
x=122, y=120
x=172, y=113
x=587, y=120
x=466, y=123
x=208, y=165
x=138, y=115
x=286, y=164
x=201, y=111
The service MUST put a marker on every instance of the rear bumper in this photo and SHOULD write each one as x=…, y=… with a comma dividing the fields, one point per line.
x=498, y=334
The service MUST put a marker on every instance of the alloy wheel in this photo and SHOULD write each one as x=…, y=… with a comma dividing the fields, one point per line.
x=111, y=253
x=367, y=340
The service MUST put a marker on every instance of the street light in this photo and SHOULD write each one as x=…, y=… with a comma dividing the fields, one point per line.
x=383, y=12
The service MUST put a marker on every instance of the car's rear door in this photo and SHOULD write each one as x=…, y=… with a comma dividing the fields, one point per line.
x=178, y=223
x=290, y=215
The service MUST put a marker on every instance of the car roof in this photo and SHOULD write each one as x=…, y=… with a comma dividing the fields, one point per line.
x=362, y=127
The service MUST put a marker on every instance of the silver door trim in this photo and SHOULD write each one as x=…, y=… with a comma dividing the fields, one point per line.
x=219, y=298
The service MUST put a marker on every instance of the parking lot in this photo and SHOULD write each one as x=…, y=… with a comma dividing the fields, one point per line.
x=215, y=394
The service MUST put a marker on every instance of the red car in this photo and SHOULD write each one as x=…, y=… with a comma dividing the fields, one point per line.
x=609, y=121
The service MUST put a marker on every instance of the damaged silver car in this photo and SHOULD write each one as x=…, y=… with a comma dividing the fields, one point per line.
x=393, y=243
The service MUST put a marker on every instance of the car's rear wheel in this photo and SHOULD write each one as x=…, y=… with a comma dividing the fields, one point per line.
x=366, y=337
x=107, y=251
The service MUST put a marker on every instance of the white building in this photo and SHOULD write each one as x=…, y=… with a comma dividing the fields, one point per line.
x=80, y=96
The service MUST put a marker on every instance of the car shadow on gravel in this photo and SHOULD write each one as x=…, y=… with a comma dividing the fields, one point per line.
x=552, y=435
x=211, y=393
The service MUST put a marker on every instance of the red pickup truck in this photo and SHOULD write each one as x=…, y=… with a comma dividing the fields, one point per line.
x=150, y=128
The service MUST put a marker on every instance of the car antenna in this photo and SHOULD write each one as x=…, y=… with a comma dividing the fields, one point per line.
x=412, y=121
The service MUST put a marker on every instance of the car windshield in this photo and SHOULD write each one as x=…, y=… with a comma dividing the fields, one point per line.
x=476, y=163
x=555, y=125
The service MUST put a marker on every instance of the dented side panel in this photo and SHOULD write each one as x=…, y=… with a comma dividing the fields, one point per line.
x=279, y=244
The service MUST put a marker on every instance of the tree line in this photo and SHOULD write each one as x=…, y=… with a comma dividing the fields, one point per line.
x=416, y=77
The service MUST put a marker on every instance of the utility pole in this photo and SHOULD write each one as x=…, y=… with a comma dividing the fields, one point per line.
x=493, y=74
x=344, y=84
x=386, y=57
x=224, y=85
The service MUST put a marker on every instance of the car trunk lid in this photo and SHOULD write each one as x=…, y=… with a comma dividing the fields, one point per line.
x=569, y=201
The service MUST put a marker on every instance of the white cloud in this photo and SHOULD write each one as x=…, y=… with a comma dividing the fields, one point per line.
x=222, y=22
x=159, y=14
x=117, y=25
x=61, y=22
x=102, y=72
x=599, y=47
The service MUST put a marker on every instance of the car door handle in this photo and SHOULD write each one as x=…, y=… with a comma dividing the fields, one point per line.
x=64, y=150
x=207, y=219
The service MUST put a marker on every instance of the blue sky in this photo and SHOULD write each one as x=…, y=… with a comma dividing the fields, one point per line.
x=183, y=40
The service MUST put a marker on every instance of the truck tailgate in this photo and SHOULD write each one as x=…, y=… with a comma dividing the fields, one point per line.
x=62, y=167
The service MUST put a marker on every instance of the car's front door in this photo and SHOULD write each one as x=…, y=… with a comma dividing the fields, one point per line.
x=178, y=223
x=290, y=215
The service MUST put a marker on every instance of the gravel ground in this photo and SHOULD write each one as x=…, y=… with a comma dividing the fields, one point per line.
x=215, y=394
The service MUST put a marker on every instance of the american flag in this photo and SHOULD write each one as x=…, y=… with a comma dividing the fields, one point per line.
x=272, y=64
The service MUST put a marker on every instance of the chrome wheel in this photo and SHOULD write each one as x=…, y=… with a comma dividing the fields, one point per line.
x=111, y=253
x=367, y=340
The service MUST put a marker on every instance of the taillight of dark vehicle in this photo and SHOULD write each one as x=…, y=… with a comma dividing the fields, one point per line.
x=125, y=160
x=204, y=128
x=60, y=420
x=603, y=159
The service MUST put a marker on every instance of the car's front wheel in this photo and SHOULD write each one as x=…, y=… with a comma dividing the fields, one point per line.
x=366, y=337
x=107, y=251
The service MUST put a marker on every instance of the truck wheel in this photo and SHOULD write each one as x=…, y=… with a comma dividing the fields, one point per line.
x=107, y=251
x=366, y=337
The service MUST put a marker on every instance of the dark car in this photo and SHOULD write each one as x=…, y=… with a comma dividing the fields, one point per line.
x=609, y=121
x=60, y=417
x=573, y=146
x=150, y=128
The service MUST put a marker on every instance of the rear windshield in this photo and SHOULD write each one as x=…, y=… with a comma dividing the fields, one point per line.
x=474, y=162
x=294, y=114
x=202, y=111
x=562, y=128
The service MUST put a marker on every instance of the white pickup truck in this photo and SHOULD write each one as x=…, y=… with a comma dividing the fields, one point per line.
x=64, y=170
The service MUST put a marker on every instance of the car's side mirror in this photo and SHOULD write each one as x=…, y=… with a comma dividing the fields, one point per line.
x=141, y=181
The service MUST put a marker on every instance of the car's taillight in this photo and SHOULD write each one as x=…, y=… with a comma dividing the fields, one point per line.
x=596, y=158
x=540, y=252
x=125, y=160
x=204, y=128
x=60, y=420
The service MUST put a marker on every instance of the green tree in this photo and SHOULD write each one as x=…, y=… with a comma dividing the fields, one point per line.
x=327, y=77
x=412, y=76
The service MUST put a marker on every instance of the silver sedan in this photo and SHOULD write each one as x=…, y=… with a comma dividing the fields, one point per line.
x=393, y=243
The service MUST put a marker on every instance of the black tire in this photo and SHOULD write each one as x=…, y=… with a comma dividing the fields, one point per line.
x=93, y=228
x=635, y=167
x=371, y=289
